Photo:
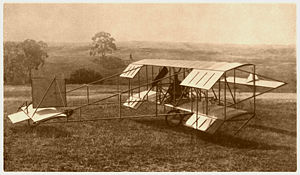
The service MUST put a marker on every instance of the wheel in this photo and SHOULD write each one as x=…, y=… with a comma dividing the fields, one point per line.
x=174, y=118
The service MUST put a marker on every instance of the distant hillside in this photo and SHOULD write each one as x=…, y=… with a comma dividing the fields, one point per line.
x=275, y=61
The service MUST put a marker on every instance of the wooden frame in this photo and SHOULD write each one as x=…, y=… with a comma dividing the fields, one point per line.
x=160, y=96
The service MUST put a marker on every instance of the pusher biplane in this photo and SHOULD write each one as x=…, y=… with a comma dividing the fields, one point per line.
x=207, y=94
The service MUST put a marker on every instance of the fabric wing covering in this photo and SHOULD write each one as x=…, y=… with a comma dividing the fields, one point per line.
x=39, y=115
x=258, y=82
x=131, y=70
x=203, y=79
x=193, y=64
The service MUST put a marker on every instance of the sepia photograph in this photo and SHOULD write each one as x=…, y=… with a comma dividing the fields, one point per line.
x=149, y=87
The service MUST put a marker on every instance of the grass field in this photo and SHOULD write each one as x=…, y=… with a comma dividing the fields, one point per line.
x=268, y=143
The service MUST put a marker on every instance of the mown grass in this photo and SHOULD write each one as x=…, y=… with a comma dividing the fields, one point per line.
x=268, y=143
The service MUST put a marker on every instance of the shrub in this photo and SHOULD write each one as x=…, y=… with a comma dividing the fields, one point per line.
x=110, y=62
x=83, y=75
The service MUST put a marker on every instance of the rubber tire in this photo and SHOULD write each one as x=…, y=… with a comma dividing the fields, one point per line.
x=178, y=118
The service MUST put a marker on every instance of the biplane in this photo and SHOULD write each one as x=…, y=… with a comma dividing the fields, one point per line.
x=202, y=95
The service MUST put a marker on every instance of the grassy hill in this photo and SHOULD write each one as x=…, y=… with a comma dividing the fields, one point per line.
x=275, y=61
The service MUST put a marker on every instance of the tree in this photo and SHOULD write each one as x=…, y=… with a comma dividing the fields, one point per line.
x=102, y=43
x=20, y=58
x=35, y=54
x=13, y=55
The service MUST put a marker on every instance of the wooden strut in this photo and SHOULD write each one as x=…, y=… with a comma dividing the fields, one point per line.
x=192, y=102
x=60, y=94
x=197, y=109
x=225, y=95
x=164, y=94
x=147, y=79
x=19, y=108
x=139, y=84
x=94, y=82
x=254, y=90
x=28, y=122
x=120, y=105
x=112, y=118
x=219, y=88
x=156, y=102
x=170, y=75
x=206, y=99
x=234, y=88
x=159, y=90
x=256, y=95
x=152, y=73
x=215, y=95
x=101, y=104
x=174, y=97
x=233, y=98
x=118, y=83
x=26, y=112
x=200, y=94
x=180, y=98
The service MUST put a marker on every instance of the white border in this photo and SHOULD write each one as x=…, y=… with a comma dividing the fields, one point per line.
x=149, y=1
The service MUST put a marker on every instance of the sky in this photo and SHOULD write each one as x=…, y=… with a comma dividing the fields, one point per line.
x=233, y=23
